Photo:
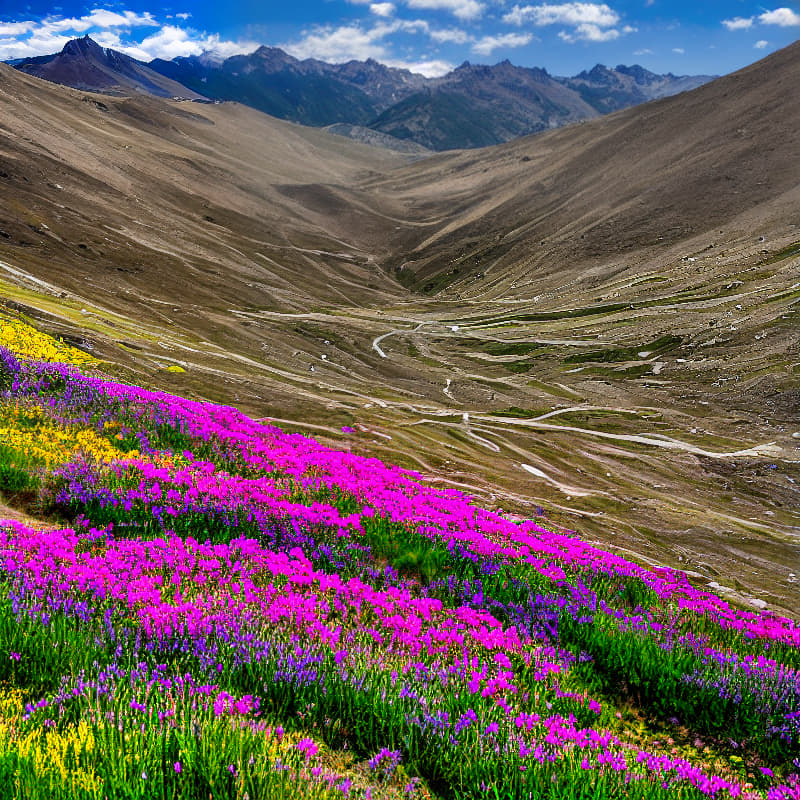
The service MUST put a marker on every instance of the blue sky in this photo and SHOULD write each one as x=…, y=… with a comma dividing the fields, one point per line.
x=428, y=36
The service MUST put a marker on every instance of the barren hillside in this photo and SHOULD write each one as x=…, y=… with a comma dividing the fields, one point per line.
x=628, y=185
x=599, y=321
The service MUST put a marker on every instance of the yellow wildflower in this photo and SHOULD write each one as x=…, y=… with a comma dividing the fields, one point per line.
x=38, y=440
x=26, y=342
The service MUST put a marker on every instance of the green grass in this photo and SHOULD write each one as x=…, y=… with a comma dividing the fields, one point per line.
x=656, y=347
x=518, y=367
x=19, y=474
x=787, y=252
x=516, y=411
x=511, y=348
x=555, y=391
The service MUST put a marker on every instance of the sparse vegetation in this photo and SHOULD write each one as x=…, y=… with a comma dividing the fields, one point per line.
x=516, y=411
x=654, y=348
x=787, y=252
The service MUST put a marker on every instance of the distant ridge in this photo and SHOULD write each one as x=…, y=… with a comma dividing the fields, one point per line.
x=472, y=106
x=614, y=89
x=83, y=64
x=477, y=105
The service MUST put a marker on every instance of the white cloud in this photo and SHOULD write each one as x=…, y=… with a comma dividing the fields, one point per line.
x=106, y=28
x=761, y=44
x=352, y=42
x=450, y=36
x=338, y=45
x=102, y=18
x=402, y=25
x=382, y=9
x=463, y=9
x=645, y=51
x=16, y=28
x=225, y=48
x=679, y=50
x=168, y=42
x=784, y=17
x=171, y=41
x=40, y=42
x=13, y=48
x=589, y=32
x=589, y=22
x=738, y=23
x=430, y=69
x=574, y=14
x=488, y=44
x=108, y=39
x=52, y=25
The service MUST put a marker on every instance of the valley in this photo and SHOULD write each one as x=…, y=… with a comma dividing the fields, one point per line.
x=597, y=324
x=577, y=413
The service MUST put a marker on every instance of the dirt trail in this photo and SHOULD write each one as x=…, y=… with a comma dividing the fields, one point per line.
x=572, y=491
x=378, y=339
x=6, y=513
x=653, y=439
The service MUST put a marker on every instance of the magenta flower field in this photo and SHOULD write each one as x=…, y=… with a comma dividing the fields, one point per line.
x=211, y=607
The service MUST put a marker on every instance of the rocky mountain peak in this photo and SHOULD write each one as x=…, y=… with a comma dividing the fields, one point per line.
x=80, y=48
x=640, y=74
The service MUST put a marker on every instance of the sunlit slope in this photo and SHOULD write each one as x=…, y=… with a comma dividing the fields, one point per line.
x=149, y=199
x=527, y=216
x=607, y=324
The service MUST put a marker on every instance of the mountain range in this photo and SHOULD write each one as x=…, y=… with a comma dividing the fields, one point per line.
x=599, y=320
x=472, y=106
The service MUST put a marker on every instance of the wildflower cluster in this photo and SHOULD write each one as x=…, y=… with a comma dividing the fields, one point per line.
x=25, y=341
x=232, y=606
